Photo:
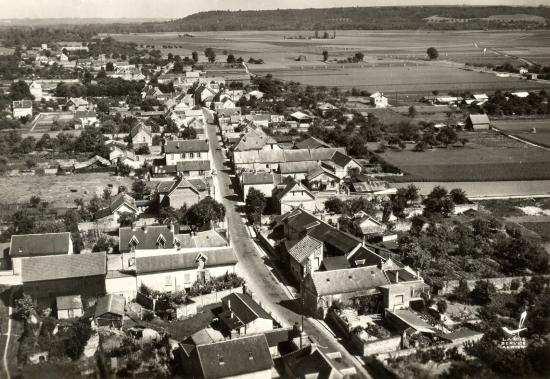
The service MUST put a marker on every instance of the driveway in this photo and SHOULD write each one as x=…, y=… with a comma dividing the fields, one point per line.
x=260, y=274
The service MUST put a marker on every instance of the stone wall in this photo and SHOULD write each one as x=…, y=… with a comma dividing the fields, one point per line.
x=501, y=284
x=375, y=347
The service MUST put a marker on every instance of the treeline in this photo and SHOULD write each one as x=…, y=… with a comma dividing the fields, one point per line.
x=105, y=87
x=504, y=103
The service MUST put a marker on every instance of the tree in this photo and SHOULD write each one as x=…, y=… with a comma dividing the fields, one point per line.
x=255, y=204
x=195, y=56
x=447, y=136
x=189, y=133
x=412, y=111
x=126, y=219
x=139, y=189
x=438, y=202
x=24, y=307
x=432, y=52
x=231, y=58
x=458, y=196
x=336, y=205
x=109, y=66
x=359, y=57
x=35, y=201
x=441, y=306
x=142, y=150
x=210, y=54
x=103, y=106
x=483, y=292
x=203, y=213
x=20, y=90
x=325, y=55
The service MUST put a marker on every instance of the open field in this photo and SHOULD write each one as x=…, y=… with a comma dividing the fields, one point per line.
x=524, y=129
x=487, y=157
x=59, y=191
x=404, y=51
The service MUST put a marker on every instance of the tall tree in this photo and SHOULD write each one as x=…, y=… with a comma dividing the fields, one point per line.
x=210, y=54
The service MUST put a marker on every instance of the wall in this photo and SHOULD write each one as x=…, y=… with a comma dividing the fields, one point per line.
x=500, y=283
x=259, y=325
x=266, y=189
x=183, y=196
x=178, y=280
x=125, y=286
x=215, y=297
x=375, y=347
x=45, y=292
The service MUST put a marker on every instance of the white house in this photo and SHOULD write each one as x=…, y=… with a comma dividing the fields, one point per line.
x=260, y=181
x=85, y=118
x=22, y=108
x=242, y=315
x=292, y=194
x=174, y=269
x=141, y=135
x=119, y=204
x=36, y=90
x=341, y=164
x=186, y=150
x=378, y=100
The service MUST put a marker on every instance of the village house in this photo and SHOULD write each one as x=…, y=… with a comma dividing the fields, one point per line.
x=141, y=135
x=305, y=256
x=311, y=143
x=68, y=306
x=256, y=139
x=126, y=157
x=204, y=94
x=37, y=245
x=193, y=169
x=109, y=311
x=47, y=277
x=77, y=104
x=312, y=362
x=478, y=122
x=322, y=180
x=175, y=193
x=378, y=100
x=175, y=269
x=291, y=194
x=239, y=358
x=119, y=204
x=22, y=108
x=186, y=150
x=241, y=315
x=325, y=108
x=341, y=164
x=35, y=89
x=146, y=237
x=260, y=181
x=85, y=118
x=364, y=226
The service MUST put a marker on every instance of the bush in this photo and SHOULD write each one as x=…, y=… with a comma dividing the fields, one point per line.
x=147, y=315
x=441, y=306
x=482, y=292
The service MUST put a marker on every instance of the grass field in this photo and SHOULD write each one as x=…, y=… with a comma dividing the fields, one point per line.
x=524, y=129
x=487, y=157
x=59, y=191
x=381, y=49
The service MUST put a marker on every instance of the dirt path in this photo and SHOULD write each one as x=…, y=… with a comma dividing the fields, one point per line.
x=6, y=348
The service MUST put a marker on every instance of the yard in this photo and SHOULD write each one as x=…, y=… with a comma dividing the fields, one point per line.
x=536, y=131
x=487, y=157
x=59, y=191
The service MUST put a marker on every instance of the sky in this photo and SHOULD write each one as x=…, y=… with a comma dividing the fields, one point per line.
x=182, y=8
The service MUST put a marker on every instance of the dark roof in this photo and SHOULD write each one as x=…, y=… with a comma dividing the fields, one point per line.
x=116, y=202
x=198, y=183
x=110, y=304
x=185, y=260
x=234, y=357
x=335, y=263
x=303, y=249
x=136, y=129
x=311, y=361
x=311, y=143
x=244, y=307
x=193, y=166
x=34, y=245
x=340, y=159
x=22, y=104
x=63, y=267
x=249, y=178
x=404, y=275
x=186, y=146
x=147, y=237
x=68, y=302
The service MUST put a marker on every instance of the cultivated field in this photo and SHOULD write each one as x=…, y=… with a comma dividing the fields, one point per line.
x=487, y=157
x=59, y=191
x=524, y=129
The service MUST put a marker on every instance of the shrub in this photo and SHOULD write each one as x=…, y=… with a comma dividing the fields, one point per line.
x=441, y=306
x=148, y=315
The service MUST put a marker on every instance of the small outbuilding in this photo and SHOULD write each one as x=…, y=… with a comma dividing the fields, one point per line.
x=109, y=311
x=69, y=306
x=478, y=122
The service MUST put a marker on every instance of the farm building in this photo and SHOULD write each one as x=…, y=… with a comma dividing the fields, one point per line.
x=478, y=122
x=22, y=108
x=261, y=181
x=119, y=204
x=69, y=306
x=378, y=100
x=141, y=135
x=109, y=311
x=38, y=245
x=242, y=315
x=176, y=193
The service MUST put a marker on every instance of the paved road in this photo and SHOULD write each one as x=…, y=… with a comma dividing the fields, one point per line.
x=256, y=269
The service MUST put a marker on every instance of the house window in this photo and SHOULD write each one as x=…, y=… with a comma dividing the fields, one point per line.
x=70, y=313
x=183, y=155
x=191, y=155
x=168, y=281
x=187, y=277
x=201, y=172
x=399, y=299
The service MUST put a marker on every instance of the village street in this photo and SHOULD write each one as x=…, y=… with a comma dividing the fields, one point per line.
x=253, y=266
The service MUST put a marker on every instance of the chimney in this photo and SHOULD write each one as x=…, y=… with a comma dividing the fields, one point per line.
x=397, y=276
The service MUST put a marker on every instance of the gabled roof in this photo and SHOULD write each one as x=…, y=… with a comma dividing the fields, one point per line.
x=235, y=357
x=479, y=119
x=293, y=186
x=85, y=114
x=34, y=245
x=146, y=236
x=321, y=171
x=244, y=308
x=22, y=104
x=340, y=159
x=311, y=143
x=298, y=155
x=110, y=304
x=185, y=260
x=335, y=263
x=303, y=249
x=57, y=267
x=324, y=154
x=254, y=139
x=116, y=202
x=348, y=280
x=186, y=146
x=139, y=128
x=300, y=116
x=311, y=361
x=297, y=167
x=78, y=101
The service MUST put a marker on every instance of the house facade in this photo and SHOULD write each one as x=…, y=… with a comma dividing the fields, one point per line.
x=22, y=108
x=186, y=150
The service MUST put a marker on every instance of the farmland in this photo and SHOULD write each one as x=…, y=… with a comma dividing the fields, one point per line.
x=524, y=129
x=59, y=191
x=487, y=157
x=394, y=60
